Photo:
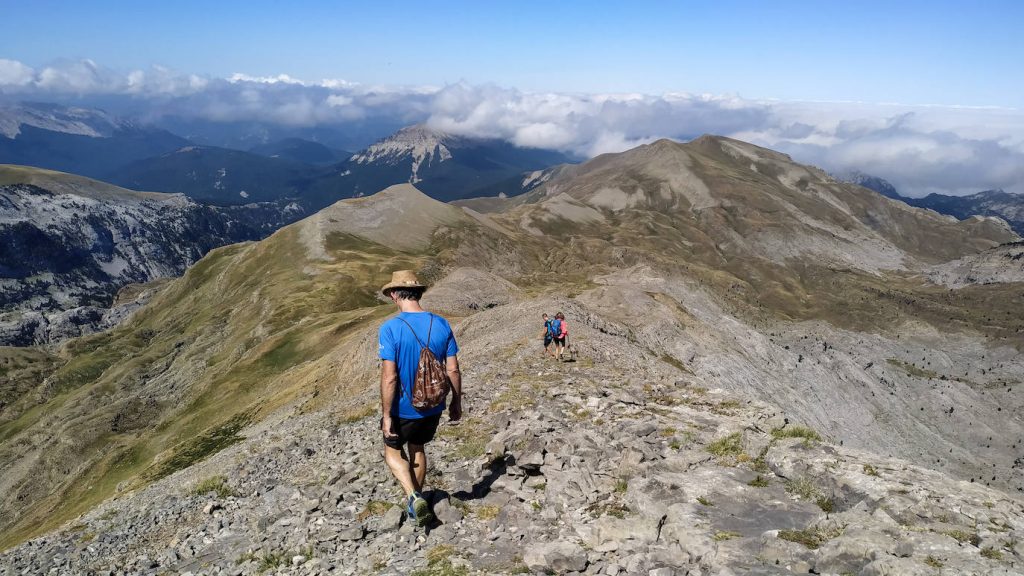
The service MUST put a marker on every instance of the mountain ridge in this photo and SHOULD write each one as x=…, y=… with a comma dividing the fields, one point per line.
x=699, y=280
x=993, y=203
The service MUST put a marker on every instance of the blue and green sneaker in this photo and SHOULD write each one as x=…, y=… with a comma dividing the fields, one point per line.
x=419, y=510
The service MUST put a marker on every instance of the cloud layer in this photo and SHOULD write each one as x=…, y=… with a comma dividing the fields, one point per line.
x=920, y=149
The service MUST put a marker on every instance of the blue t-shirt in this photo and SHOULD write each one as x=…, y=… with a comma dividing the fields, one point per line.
x=399, y=345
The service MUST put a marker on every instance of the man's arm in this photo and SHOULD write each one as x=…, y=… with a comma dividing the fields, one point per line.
x=388, y=384
x=455, y=407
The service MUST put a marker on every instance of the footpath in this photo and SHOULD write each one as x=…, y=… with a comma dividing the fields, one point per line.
x=618, y=463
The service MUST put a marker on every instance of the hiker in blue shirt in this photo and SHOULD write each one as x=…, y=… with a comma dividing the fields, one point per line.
x=402, y=339
x=549, y=336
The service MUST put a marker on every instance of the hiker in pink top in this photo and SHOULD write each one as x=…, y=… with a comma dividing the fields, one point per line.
x=563, y=332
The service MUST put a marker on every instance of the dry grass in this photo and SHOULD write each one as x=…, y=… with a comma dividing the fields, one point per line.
x=811, y=538
x=374, y=508
x=486, y=512
x=216, y=484
x=797, y=432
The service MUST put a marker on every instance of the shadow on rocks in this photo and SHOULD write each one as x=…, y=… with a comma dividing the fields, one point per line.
x=493, y=470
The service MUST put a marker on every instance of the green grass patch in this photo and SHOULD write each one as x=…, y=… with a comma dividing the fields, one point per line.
x=912, y=370
x=758, y=482
x=515, y=397
x=354, y=415
x=811, y=538
x=486, y=512
x=796, y=432
x=722, y=535
x=870, y=470
x=374, y=508
x=726, y=407
x=470, y=437
x=667, y=359
x=286, y=352
x=933, y=562
x=202, y=447
x=610, y=507
x=731, y=445
x=991, y=553
x=760, y=465
x=439, y=553
x=621, y=485
x=216, y=484
x=274, y=560
x=963, y=536
x=443, y=567
x=704, y=501
x=803, y=488
x=826, y=504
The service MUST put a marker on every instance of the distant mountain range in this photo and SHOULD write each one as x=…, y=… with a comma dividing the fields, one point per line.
x=216, y=175
x=77, y=140
x=299, y=150
x=1009, y=207
x=314, y=174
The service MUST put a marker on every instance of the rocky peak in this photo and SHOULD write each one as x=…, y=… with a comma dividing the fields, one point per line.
x=69, y=244
x=417, y=144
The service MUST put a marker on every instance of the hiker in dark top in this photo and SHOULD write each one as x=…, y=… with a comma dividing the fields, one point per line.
x=549, y=336
x=401, y=340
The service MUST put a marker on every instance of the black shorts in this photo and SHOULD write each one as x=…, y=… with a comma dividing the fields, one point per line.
x=547, y=341
x=560, y=341
x=412, y=430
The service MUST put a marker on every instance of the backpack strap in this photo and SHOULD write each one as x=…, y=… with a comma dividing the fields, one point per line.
x=420, y=342
x=401, y=388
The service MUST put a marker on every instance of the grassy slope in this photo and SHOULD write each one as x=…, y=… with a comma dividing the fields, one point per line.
x=62, y=182
x=211, y=349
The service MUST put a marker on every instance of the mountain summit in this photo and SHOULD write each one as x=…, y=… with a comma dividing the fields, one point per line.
x=447, y=166
x=414, y=144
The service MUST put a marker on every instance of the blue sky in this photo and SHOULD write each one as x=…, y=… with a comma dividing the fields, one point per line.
x=958, y=53
x=929, y=95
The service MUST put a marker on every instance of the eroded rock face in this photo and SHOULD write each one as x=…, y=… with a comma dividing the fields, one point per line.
x=65, y=254
x=617, y=463
x=1004, y=263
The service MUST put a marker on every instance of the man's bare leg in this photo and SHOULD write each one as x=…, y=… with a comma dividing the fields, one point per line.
x=401, y=469
x=417, y=465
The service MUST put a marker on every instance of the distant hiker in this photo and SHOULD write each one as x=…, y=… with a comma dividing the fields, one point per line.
x=549, y=335
x=419, y=363
x=561, y=330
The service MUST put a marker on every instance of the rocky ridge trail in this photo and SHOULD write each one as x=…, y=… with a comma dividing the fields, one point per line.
x=618, y=463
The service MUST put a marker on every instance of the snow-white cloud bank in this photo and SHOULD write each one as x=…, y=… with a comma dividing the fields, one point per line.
x=920, y=149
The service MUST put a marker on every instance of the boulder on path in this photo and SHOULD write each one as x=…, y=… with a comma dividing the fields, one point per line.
x=560, y=557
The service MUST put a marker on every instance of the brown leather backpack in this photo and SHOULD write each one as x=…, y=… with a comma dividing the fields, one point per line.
x=431, y=384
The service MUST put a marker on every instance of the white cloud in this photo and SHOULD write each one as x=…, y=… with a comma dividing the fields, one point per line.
x=14, y=73
x=919, y=148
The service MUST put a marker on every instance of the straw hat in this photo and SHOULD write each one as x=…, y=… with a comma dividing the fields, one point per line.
x=402, y=279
